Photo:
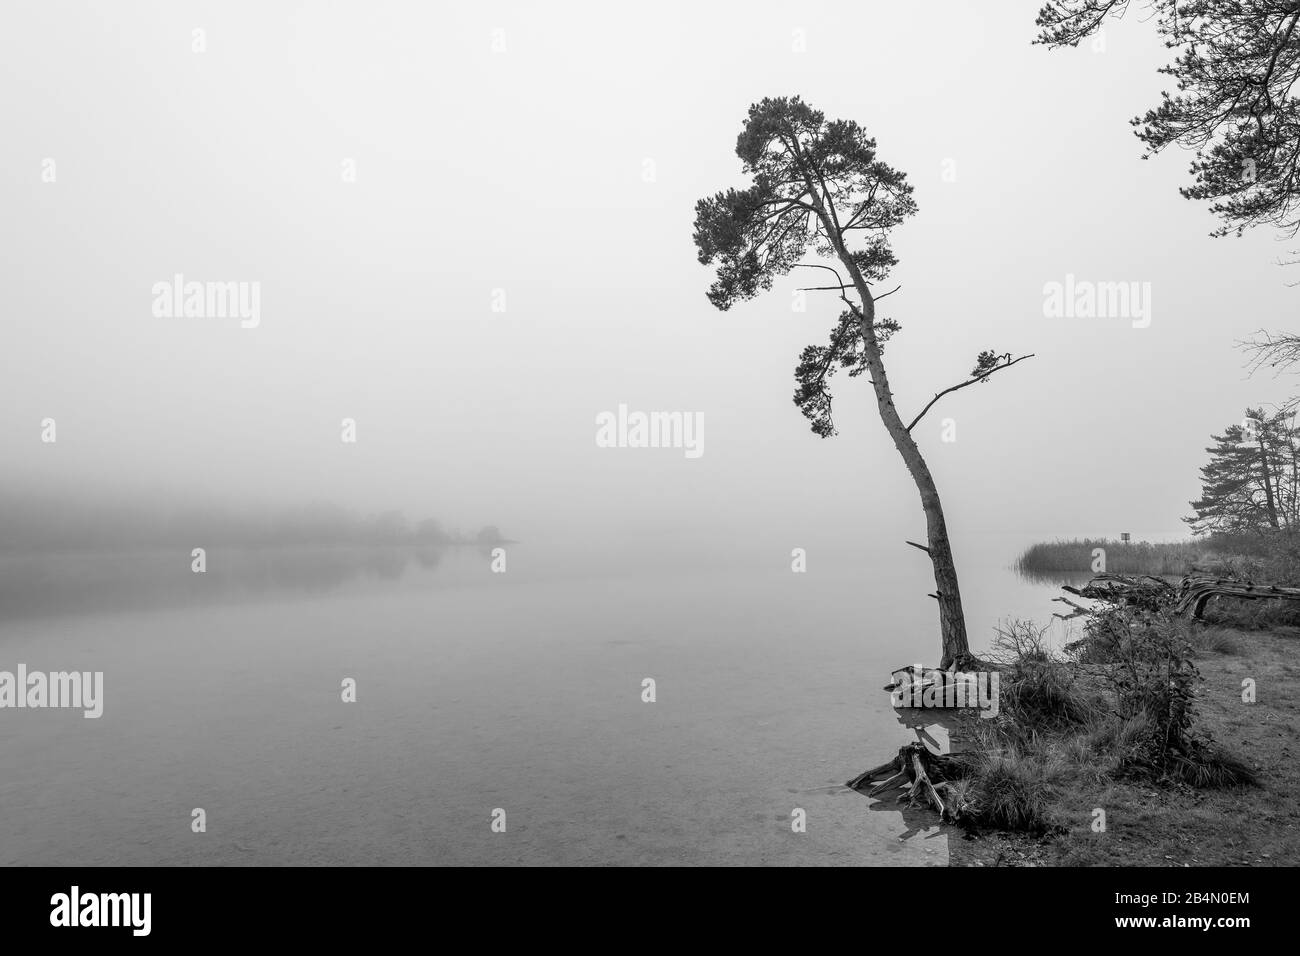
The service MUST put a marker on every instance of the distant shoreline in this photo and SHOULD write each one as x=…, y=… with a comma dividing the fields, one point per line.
x=288, y=546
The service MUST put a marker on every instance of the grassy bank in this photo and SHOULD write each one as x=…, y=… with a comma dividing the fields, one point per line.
x=1076, y=748
x=1079, y=555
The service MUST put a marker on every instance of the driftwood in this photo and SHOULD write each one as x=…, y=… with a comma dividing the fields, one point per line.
x=1143, y=590
x=1191, y=595
x=930, y=780
x=1197, y=590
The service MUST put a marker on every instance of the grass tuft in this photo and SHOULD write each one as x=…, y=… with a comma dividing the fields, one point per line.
x=1012, y=791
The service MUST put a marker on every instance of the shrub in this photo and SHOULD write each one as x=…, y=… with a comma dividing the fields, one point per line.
x=1037, y=687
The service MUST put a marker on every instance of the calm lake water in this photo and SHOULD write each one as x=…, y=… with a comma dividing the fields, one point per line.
x=475, y=691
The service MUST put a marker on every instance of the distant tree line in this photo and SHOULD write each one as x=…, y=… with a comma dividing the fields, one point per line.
x=33, y=523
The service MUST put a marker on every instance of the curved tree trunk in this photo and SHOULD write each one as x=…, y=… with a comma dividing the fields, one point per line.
x=952, y=619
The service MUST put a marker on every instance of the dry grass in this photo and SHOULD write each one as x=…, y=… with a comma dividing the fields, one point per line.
x=1215, y=640
x=1211, y=823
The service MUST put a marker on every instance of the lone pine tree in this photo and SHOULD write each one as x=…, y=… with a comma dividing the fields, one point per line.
x=818, y=187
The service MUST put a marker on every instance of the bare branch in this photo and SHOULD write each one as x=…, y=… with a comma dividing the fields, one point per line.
x=840, y=288
x=813, y=265
x=1277, y=350
x=983, y=376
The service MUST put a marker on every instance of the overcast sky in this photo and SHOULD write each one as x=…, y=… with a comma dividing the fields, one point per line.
x=525, y=170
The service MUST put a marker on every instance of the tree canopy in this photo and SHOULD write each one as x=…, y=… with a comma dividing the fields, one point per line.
x=1251, y=483
x=1236, y=104
x=819, y=186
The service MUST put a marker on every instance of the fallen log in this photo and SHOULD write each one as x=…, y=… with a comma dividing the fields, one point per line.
x=1191, y=596
x=1143, y=590
x=1105, y=585
x=1196, y=591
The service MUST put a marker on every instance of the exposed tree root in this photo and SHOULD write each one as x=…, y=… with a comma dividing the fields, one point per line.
x=928, y=777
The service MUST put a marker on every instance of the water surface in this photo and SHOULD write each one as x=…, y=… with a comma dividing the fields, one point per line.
x=476, y=691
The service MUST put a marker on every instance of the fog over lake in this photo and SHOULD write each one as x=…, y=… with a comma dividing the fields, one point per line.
x=443, y=259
